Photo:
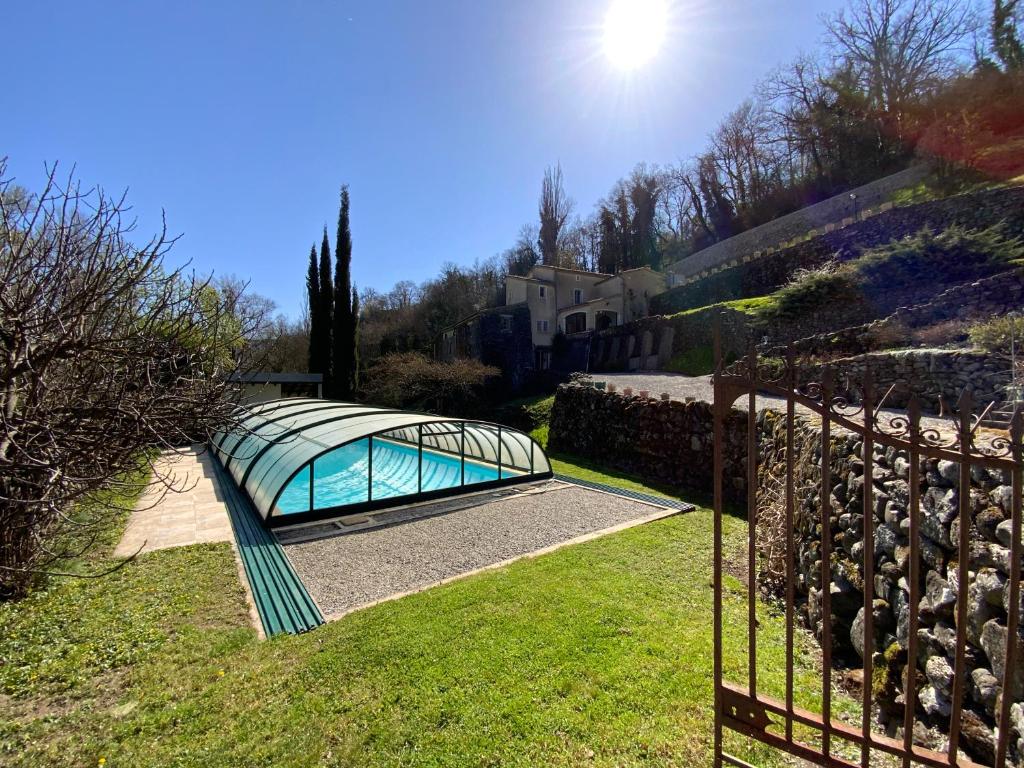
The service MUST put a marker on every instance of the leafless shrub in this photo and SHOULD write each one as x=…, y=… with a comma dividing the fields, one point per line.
x=412, y=380
x=106, y=354
x=941, y=334
x=803, y=274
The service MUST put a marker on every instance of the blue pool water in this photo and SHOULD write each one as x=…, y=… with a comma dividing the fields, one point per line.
x=340, y=476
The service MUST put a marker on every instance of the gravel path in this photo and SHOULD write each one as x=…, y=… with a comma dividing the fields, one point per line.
x=680, y=387
x=346, y=571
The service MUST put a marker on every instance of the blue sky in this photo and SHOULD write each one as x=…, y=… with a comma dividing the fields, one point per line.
x=242, y=119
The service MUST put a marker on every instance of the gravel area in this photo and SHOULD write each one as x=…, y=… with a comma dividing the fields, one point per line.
x=348, y=570
x=681, y=387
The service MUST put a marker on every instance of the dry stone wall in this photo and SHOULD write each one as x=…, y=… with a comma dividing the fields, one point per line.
x=990, y=297
x=936, y=376
x=987, y=592
x=666, y=442
x=671, y=442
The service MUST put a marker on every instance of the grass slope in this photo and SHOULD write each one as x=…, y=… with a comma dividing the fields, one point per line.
x=598, y=654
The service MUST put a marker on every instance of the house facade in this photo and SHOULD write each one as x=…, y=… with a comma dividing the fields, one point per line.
x=551, y=300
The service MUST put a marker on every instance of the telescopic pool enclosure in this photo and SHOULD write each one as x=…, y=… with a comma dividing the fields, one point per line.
x=303, y=459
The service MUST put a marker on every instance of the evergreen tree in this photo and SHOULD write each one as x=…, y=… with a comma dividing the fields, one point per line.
x=1005, y=40
x=355, y=338
x=343, y=336
x=315, y=324
x=326, y=311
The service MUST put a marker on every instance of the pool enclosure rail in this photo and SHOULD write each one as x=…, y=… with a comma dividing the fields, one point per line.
x=505, y=477
x=279, y=446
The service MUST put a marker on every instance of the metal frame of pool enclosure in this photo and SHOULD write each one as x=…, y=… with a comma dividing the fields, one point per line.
x=300, y=460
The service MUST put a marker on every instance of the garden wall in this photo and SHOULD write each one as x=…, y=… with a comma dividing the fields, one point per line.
x=764, y=272
x=671, y=442
x=991, y=297
x=665, y=442
x=936, y=376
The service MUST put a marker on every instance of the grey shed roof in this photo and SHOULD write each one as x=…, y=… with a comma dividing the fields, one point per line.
x=270, y=377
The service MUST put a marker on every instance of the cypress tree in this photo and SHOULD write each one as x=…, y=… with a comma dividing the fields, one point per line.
x=313, y=297
x=326, y=312
x=355, y=338
x=343, y=330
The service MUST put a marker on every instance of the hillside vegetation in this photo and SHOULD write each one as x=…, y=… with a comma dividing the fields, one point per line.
x=897, y=274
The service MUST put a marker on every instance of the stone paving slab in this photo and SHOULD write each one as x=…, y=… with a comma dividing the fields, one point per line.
x=194, y=515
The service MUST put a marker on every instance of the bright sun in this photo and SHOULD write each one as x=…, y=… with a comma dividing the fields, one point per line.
x=633, y=31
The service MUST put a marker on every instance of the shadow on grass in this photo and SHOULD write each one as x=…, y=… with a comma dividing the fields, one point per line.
x=591, y=470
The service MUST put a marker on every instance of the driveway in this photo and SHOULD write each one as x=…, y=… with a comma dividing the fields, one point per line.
x=681, y=387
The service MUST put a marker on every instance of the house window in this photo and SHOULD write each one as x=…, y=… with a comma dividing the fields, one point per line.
x=577, y=296
x=542, y=326
x=542, y=291
x=506, y=323
x=544, y=359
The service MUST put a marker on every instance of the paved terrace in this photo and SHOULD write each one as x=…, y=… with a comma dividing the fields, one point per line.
x=165, y=519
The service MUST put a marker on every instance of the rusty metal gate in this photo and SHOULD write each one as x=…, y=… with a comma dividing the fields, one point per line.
x=744, y=706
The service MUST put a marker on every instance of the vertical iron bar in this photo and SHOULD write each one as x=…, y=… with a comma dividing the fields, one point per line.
x=499, y=452
x=369, y=469
x=717, y=409
x=419, y=470
x=752, y=523
x=826, y=561
x=463, y=455
x=963, y=555
x=1013, y=610
x=791, y=384
x=910, y=686
x=312, y=464
x=868, y=402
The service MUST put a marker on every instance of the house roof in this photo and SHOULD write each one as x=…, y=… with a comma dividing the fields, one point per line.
x=569, y=269
x=479, y=312
x=271, y=377
x=598, y=300
x=626, y=272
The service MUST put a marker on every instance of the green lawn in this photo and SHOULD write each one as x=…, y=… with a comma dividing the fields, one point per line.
x=597, y=654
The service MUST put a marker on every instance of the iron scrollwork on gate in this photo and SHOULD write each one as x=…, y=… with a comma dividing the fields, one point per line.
x=744, y=707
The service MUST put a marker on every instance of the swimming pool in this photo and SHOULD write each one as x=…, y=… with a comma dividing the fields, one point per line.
x=341, y=475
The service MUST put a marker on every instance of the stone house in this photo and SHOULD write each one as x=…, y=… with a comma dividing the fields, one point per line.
x=555, y=300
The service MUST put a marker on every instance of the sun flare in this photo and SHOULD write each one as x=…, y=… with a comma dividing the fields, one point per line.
x=634, y=31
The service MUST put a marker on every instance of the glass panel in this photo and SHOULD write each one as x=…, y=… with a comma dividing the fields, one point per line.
x=396, y=469
x=339, y=477
x=540, y=461
x=295, y=496
x=515, y=453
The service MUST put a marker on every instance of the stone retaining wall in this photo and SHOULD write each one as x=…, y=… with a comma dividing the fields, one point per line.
x=671, y=442
x=651, y=342
x=981, y=299
x=666, y=442
x=987, y=593
x=937, y=376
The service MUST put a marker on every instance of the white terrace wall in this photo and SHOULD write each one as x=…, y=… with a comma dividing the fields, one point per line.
x=827, y=213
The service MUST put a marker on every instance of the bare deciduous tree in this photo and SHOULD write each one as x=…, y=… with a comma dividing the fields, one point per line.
x=901, y=48
x=554, y=210
x=106, y=354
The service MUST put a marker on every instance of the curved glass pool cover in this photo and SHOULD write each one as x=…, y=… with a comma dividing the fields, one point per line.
x=300, y=459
